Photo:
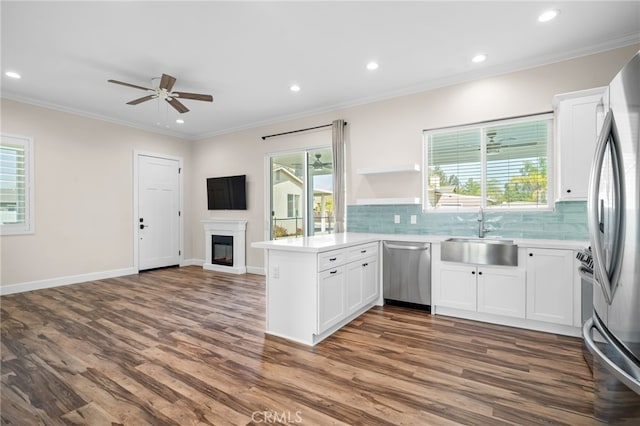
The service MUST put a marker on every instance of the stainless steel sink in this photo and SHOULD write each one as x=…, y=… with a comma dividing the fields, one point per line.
x=481, y=251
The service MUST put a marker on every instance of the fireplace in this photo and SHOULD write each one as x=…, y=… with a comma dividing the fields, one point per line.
x=222, y=252
x=225, y=245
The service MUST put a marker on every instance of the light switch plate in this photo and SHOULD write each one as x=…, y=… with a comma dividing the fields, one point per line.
x=396, y=218
x=414, y=219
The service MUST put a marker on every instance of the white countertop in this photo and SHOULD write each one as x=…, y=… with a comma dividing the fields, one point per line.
x=322, y=243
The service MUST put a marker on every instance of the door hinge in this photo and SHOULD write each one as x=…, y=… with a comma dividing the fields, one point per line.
x=179, y=252
x=179, y=170
x=179, y=213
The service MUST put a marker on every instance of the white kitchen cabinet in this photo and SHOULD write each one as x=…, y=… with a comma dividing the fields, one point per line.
x=488, y=289
x=502, y=291
x=457, y=285
x=312, y=294
x=576, y=133
x=332, y=293
x=550, y=281
x=370, y=280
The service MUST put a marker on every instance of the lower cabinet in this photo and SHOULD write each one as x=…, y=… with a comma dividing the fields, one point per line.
x=489, y=289
x=331, y=297
x=542, y=289
x=501, y=291
x=550, y=285
x=345, y=289
x=458, y=286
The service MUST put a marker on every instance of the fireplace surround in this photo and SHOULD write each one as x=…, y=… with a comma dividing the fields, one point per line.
x=229, y=252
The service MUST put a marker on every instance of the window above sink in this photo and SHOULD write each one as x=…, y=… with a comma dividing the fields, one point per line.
x=495, y=165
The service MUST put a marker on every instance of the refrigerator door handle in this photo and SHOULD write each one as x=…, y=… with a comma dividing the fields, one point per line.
x=606, y=280
x=631, y=382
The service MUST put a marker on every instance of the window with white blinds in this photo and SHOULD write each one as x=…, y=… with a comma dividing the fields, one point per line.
x=502, y=164
x=16, y=185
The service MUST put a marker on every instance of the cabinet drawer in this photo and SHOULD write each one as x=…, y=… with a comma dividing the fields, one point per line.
x=331, y=259
x=362, y=251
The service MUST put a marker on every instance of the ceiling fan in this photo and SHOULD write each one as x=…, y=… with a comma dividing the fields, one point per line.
x=494, y=147
x=164, y=91
x=319, y=165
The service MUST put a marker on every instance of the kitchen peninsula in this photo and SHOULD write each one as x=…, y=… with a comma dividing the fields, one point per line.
x=315, y=285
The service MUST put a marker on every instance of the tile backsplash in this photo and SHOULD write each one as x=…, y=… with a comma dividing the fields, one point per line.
x=568, y=221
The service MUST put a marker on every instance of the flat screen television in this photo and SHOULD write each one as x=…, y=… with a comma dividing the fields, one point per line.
x=227, y=193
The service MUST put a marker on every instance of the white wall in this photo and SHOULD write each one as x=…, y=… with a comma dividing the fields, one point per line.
x=84, y=194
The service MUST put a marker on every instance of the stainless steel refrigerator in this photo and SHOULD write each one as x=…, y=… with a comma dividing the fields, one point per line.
x=612, y=335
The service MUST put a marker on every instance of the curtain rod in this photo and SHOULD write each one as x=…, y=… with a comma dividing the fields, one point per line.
x=300, y=130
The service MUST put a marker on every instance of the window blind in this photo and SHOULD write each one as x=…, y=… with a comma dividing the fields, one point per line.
x=497, y=165
x=13, y=195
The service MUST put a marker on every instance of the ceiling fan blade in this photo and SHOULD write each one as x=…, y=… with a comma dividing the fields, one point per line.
x=177, y=105
x=194, y=96
x=140, y=100
x=167, y=82
x=128, y=84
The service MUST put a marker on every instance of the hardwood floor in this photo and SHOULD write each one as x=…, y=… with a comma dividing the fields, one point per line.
x=187, y=347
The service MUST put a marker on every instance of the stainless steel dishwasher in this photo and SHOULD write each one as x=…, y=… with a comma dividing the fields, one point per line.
x=406, y=269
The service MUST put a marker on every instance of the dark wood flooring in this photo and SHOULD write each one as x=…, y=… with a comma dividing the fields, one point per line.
x=186, y=347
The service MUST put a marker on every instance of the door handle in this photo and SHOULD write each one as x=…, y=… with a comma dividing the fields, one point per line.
x=143, y=226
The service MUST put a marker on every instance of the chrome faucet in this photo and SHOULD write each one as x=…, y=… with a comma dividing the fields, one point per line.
x=481, y=229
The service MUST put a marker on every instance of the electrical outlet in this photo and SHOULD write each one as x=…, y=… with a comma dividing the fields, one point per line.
x=275, y=271
x=396, y=218
x=414, y=219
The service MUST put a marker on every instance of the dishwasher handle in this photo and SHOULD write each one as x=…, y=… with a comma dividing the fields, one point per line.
x=406, y=247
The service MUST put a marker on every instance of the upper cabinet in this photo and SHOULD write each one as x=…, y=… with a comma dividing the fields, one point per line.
x=576, y=133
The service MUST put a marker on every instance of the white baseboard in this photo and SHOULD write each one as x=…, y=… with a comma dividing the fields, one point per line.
x=256, y=270
x=192, y=262
x=60, y=281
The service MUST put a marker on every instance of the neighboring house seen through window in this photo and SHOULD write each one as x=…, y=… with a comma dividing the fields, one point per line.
x=496, y=165
x=16, y=185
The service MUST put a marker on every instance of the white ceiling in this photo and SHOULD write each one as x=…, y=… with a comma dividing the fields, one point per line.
x=247, y=54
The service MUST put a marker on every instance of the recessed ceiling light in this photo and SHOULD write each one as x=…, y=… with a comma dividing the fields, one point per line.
x=480, y=57
x=548, y=15
x=294, y=88
x=180, y=121
x=371, y=66
x=12, y=74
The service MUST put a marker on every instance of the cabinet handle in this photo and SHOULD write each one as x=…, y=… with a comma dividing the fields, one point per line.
x=473, y=272
x=531, y=254
x=568, y=191
x=332, y=259
x=334, y=272
x=365, y=264
x=480, y=273
x=363, y=251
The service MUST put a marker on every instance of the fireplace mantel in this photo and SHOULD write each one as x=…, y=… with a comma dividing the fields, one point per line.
x=227, y=227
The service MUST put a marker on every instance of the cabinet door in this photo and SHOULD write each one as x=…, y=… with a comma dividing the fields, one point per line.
x=457, y=286
x=354, y=286
x=550, y=285
x=370, y=281
x=501, y=291
x=577, y=132
x=331, y=297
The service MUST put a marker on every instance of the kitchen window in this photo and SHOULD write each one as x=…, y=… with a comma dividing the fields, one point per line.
x=16, y=185
x=496, y=165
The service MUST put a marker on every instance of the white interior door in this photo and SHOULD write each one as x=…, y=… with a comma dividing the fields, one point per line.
x=158, y=212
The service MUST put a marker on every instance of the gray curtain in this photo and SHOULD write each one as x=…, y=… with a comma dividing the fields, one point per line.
x=339, y=187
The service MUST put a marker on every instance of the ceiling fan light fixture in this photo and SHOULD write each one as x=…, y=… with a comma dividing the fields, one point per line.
x=372, y=66
x=294, y=88
x=13, y=74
